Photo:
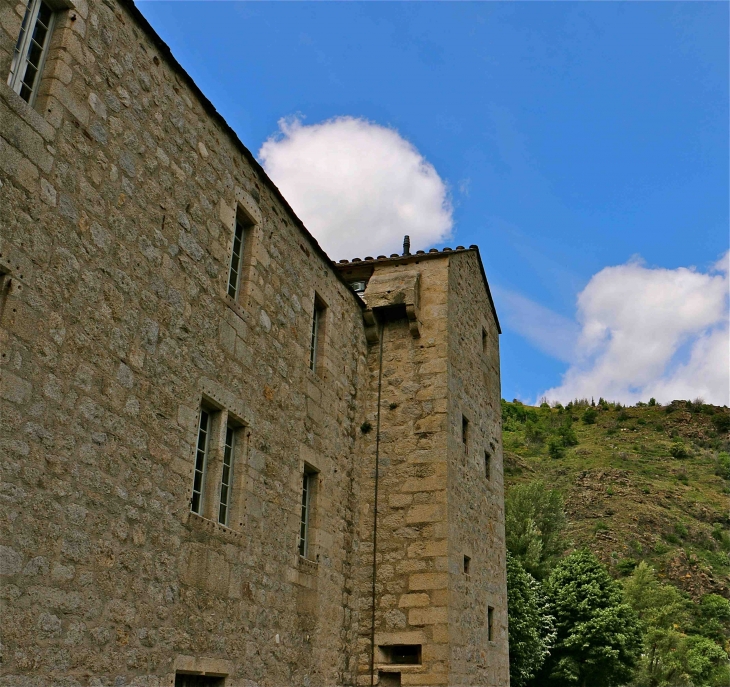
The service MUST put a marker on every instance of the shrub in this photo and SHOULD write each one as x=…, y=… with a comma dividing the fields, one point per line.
x=722, y=469
x=556, y=448
x=721, y=421
x=589, y=416
x=600, y=526
x=678, y=450
x=652, y=401
x=567, y=435
x=626, y=565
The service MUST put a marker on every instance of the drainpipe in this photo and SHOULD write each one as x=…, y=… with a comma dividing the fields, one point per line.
x=375, y=506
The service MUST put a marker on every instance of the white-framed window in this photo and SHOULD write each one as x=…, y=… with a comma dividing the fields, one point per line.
x=201, y=462
x=224, y=507
x=234, y=272
x=31, y=50
x=309, y=478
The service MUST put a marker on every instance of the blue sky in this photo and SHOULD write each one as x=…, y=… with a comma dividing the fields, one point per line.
x=572, y=138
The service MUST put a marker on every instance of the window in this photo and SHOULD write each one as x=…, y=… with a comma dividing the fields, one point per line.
x=487, y=465
x=316, y=344
x=219, y=434
x=490, y=624
x=201, y=462
x=400, y=654
x=465, y=433
x=467, y=564
x=309, y=478
x=358, y=287
x=239, y=251
x=227, y=476
x=31, y=50
x=484, y=340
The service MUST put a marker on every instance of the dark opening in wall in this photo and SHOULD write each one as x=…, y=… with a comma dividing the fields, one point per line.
x=386, y=679
x=467, y=565
x=465, y=432
x=484, y=340
x=490, y=623
x=401, y=654
x=487, y=465
x=182, y=680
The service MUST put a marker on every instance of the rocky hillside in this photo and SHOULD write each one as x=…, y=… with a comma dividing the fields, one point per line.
x=647, y=483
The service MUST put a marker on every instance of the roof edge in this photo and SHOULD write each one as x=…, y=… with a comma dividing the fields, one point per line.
x=208, y=106
x=426, y=255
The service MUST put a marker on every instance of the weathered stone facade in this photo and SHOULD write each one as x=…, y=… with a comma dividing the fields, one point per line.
x=120, y=192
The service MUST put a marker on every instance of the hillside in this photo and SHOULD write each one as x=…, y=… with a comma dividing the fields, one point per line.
x=640, y=483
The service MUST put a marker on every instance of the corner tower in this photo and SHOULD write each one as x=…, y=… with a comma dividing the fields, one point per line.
x=430, y=576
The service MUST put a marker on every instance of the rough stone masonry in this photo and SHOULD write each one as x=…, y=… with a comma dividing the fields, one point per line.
x=226, y=460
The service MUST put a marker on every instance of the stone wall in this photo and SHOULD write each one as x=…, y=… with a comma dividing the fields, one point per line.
x=476, y=522
x=117, y=202
x=119, y=193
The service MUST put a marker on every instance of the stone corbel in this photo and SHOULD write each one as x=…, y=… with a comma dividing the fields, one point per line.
x=390, y=289
x=371, y=326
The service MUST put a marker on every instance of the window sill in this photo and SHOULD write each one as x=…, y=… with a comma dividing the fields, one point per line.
x=306, y=566
x=201, y=524
x=233, y=305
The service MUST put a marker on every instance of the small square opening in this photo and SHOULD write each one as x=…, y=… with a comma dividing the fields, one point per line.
x=388, y=679
x=401, y=654
x=186, y=680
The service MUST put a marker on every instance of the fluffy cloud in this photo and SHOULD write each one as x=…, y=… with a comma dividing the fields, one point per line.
x=357, y=186
x=651, y=332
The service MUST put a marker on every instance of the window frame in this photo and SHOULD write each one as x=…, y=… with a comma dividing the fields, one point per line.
x=235, y=265
x=21, y=53
x=304, y=539
x=228, y=460
x=318, y=335
x=198, y=508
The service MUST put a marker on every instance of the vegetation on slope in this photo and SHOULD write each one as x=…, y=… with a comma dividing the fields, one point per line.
x=646, y=483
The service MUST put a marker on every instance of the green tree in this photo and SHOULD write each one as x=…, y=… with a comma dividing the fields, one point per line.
x=598, y=635
x=706, y=663
x=534, y=524
x=531, y=627
x=663, y=611
x=589, y=416
x=712, y=618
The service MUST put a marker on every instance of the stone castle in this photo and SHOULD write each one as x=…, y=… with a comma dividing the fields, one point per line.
x=226, y=460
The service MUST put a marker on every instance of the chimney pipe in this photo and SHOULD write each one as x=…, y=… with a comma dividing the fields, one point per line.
x=406, y=245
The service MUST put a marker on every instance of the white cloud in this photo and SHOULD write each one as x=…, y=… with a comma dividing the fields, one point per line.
x=357, y=186
x=651, y=332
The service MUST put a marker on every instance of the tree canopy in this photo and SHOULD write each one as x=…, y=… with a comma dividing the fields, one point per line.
x=531, y=627
x=534, y=523
x=598, y=635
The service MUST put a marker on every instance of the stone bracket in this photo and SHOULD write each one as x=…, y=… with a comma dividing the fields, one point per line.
x=389, y=290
